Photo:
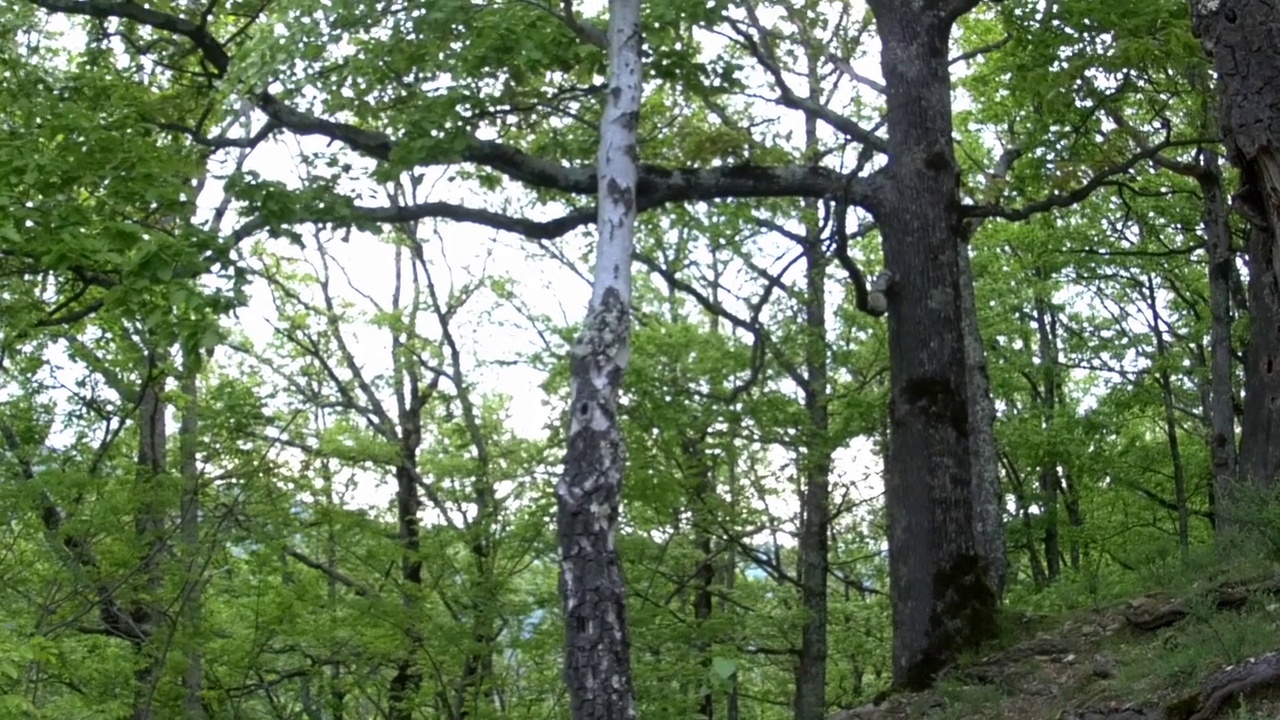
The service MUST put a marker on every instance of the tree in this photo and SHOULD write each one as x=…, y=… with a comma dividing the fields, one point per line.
x=1239, y=35
x=597, y=659
x=941, y=504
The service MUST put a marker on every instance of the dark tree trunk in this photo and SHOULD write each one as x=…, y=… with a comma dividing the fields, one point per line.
x=988, y=500
x=407, y=679
x=411, y=399
x=1222, y=424
x=1260, y=426
x=1165, y=381
x=1049, y=532
x=705, y=578
x=1240, y=36
x=189, y=529
x=1075, y=517
x=815, y=521
x=942, y=597
x=149, y=524
x=1050, y=479
x=1022, y=509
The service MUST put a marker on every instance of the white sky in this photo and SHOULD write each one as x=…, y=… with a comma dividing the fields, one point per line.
x=543, y=285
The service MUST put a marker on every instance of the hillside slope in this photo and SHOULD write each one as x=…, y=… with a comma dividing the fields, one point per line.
x=1212, y=652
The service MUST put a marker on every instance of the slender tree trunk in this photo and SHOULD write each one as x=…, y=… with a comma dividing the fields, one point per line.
x=988, y=499
x=597, y=661
x=1239, y=36
x=149, y=525
x=189, y=531
x=1222, y=425
x=411, y=399
x=810, y=702
x=1075, y=516
x=477, y=672
x=1039, y=576
x=733, y=704
x=704, y=577
x=407, y=678
x=1050, y=480
x=815, y=524
x=1170, y=423
x=942, y=598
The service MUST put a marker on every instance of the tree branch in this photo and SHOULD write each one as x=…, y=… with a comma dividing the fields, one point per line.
x=1104, y=178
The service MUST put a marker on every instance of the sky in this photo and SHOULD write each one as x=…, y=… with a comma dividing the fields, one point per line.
x=543, y=285
x=458, y=251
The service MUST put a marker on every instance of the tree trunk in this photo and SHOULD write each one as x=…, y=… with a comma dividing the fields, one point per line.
x=597, y=661
x=1222, y=425
x=1021, y=508
x=411, y=398
x=149, y=525
x=189, y=529
x=1238, y=35
x=815, y=522
x=941, y=594
x=1075, y=516
x=988, y=500
x=1260, y=426
x=1165, y=382
x=1050, y=479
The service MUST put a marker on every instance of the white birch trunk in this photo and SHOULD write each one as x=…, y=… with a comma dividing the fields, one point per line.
x=597, y=645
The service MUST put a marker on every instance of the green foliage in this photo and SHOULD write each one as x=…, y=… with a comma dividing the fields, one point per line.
x=376, y=487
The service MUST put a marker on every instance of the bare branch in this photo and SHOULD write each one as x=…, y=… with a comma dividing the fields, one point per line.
x=982, y=50
x=332, y=573
x=1104, y=178
x=587, y=32
x=760, y=45
x=658, y=187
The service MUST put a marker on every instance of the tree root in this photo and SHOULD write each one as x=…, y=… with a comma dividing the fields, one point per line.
x=1149, y=613
x=1254, y=674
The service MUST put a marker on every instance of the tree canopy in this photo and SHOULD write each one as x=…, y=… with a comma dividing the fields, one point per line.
x=931, y=312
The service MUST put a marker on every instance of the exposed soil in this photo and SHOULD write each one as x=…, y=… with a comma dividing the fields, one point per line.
x=1105, y=665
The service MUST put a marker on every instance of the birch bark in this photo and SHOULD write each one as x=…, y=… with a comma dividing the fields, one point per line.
x=597, y=664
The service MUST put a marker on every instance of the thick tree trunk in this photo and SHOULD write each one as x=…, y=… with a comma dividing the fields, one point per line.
x=941, y=594
x=1260, y=426
x=597, y=662
x=1240, y=37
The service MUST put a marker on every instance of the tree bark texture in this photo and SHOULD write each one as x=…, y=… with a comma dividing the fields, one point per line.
x=815, y=510
x=1243, y=38
x=597, y=646
x=189, y=529
x=1046, y=320
x=149, y=525
x=1222, y=423
x=941, y=592
x=988, y=499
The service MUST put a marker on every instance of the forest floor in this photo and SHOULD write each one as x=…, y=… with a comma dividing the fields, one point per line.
x=1209, y=651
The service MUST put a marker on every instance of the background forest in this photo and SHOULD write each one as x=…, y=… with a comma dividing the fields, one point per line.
x=289, y=288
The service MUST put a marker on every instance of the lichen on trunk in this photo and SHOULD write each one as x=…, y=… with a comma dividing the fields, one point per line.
x=597, y=662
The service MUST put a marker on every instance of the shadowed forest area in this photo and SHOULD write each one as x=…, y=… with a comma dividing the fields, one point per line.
x=728, y=360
